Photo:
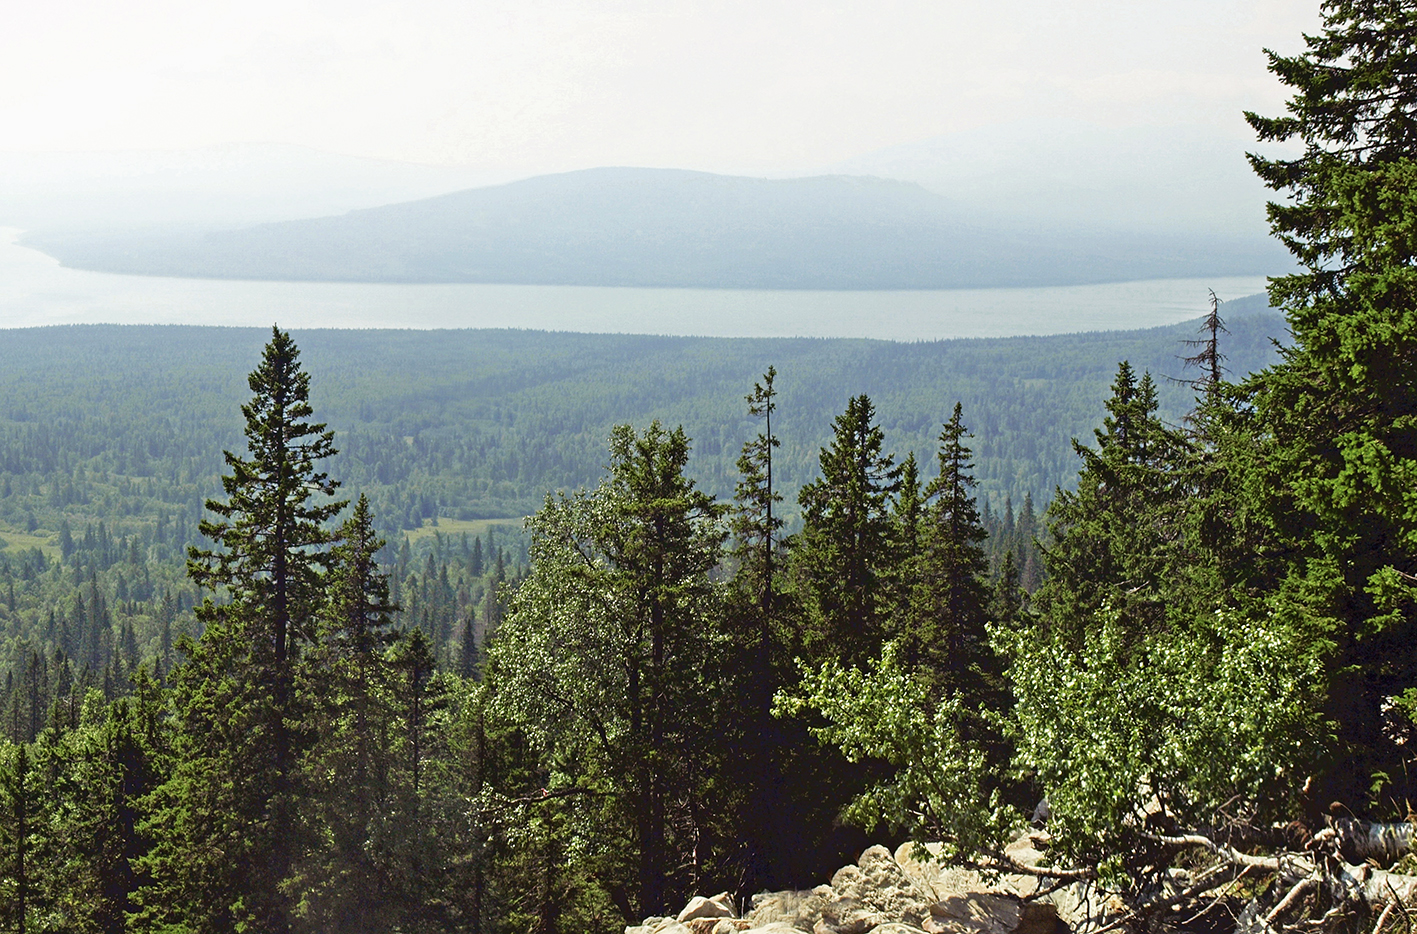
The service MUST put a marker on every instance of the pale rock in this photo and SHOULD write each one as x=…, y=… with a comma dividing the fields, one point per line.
x=934, y=878
x=988, y=913
x=878, y=883
x=801, y=910
x=658, y=925
x=776, y=927
x=847, y=916
x=895, y=927
x=1071, y=902
x=719, y=906
x=730, y=926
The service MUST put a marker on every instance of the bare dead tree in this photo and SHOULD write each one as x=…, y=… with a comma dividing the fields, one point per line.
x=1208, y=356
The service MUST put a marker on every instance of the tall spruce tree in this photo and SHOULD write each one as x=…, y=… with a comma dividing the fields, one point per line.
x=19, y=798
x=227, y=822
x=951, y=648
x=1111, y=536
x=346, y=683
x=1336, y=420
x=842, y=555
x=753, y=524
x=760, y=653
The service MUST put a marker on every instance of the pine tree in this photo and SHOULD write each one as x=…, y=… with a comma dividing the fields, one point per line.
x=950, y=646
x=1335, y=423
x=227, y=822
x=842, y=554
x=348, y=686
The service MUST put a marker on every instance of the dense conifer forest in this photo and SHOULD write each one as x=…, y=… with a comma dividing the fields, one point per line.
x=760, y=613
x=111, y=441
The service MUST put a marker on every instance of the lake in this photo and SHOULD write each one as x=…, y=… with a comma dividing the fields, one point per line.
x=36, y=291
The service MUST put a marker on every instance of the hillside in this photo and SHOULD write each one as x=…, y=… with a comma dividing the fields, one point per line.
x=661, y=227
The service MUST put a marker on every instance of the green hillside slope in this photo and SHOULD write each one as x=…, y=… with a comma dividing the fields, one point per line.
x=663, y=227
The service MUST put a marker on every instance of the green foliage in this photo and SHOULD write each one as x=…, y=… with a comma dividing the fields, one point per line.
x=342, y=879
x=226, y=822
x=1110, y=539
x=603, y=663
x=841, y=557
x=1336, y=419
x=1136, y=735
x=938, y=788
x=944, y=636
x=755, y=529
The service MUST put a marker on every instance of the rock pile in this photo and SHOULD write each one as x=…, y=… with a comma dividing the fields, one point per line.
x=891, y=893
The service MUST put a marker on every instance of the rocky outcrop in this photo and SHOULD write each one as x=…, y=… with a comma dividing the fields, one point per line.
x=894, y=893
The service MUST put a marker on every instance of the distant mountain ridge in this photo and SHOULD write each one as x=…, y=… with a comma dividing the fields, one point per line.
x=670, y=228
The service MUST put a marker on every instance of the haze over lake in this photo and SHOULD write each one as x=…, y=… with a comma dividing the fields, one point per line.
x=36, y=291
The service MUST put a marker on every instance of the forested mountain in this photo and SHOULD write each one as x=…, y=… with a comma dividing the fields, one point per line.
x=662, y=227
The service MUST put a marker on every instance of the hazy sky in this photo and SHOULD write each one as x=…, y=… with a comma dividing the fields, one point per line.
x=528, y=86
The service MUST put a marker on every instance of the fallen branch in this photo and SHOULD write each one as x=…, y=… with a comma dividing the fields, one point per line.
x=1382, y=918
x=1301, y=888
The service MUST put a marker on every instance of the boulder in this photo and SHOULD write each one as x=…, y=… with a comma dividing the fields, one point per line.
x=729, y=925
x=801, y=910
x=776, y=927
x=719, y=906
x=659, y=926
x=881, y=886
x=933, y=878
x=1075, y=905
x=989, y=913
x=847, y=916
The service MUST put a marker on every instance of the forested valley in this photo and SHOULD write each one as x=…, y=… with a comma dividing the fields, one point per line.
x=111, y=441
x=773, y=601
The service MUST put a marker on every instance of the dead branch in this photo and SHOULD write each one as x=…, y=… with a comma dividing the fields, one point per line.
x=1301, y=888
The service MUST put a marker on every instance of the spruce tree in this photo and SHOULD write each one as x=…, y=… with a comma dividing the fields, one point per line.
x=1111, y=537
x=843, y=552
x=347, y=685
x=760, y=654
x=753, y=524
x=19, y=796
x=227, y=821
x=607, y=662
x=1335, y=422
x=951, y=647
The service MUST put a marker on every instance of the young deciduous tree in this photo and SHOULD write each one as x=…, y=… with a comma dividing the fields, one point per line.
x=606, y=661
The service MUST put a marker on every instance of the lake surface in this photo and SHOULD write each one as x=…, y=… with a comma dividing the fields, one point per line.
x=36, y=291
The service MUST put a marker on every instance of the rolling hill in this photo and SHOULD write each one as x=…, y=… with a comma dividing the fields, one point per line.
x=670, y=228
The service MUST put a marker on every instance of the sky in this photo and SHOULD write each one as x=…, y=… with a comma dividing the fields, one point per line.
x=526, y=87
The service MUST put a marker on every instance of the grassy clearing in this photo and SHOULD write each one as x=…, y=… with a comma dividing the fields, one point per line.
x=14, y=540
x=451, y=528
